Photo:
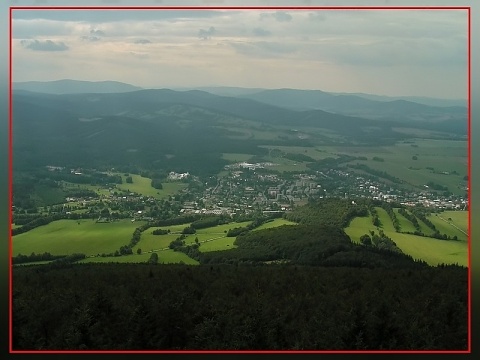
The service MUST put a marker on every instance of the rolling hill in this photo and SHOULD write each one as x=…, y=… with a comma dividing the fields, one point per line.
x=166, y=128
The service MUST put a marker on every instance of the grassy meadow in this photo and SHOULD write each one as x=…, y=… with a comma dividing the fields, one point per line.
x=275, y=223
x=164, y=257
x=63, y=237
x=458, y=218
x=448, y=156
x=450, y=227
x=142, y=185
x=440, y=155
x=405, y=224
x=433, y=251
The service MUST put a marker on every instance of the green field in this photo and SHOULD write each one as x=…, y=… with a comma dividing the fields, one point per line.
x=314, y=153
x=447, y=227
x=65, y=237
x=98, y=189
x=433, y=251
x=424, y=228
x=405, y=224
x=441, y=155
x=358, y=227
x=459, y=218
x=283, y=164
x=224, y=243
x=386, y=223
x=149, y=242
x=275, y=223
x=142, y=185
x=221, y=229
x=210, y=235
x=164, y=257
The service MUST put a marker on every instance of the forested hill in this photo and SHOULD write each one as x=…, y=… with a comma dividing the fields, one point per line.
x=220, y=307
x=146, y=127
x=294, y=287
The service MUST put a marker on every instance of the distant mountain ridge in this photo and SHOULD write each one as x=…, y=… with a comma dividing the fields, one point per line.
x=68, y=86
x=144, y=126
x=418, y=99
x=352, y=105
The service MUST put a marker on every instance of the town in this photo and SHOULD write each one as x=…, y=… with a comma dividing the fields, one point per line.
x=247, y=187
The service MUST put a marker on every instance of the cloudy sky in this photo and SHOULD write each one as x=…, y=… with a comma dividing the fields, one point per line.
x=384, y=52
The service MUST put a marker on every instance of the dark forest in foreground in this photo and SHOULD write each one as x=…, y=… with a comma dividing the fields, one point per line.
x=119, y=306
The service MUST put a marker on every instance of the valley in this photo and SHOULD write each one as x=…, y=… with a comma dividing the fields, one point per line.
x=230, y=160
x=196, y=183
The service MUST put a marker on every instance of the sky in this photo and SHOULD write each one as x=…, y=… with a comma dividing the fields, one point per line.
x=383, y=52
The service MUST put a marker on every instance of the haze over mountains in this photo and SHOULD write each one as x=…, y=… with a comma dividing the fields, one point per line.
x=67, y=86
x=74, y=86
x=106, y=123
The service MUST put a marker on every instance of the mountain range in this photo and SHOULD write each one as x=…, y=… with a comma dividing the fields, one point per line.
x=181, y=130
x=359, y=104
x=67, y=86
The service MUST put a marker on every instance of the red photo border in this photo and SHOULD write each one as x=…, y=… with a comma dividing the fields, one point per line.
x=200, y=8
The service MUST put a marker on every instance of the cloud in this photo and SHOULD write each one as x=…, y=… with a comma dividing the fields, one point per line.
x=91, y=38
x=263, y=49
x=114, y=15
x=97, y=32
x=206, y=34
x=47, y=45
x=94, y=35
x=261, y=32
x=317, y=16
x=410, y=45
x=139, y=55
x=279, y=16
x=142, y=41
x=282, y=16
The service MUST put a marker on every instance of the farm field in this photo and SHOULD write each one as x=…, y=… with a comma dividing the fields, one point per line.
x=405, y=224
x=359, y=226
x=459, y=218
x=164, y=257
x=441, y=155
x=283, y=164
x=433, y=251
x=224, y=243
x=34, y=263
x=423, y=227
x=275, y=223
x=385, y=222
x=148, y=241
x=142, y=185
x=305, y=150
x=447, y=227
x=98, y=189
x=63, y=237
x=222, y=229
